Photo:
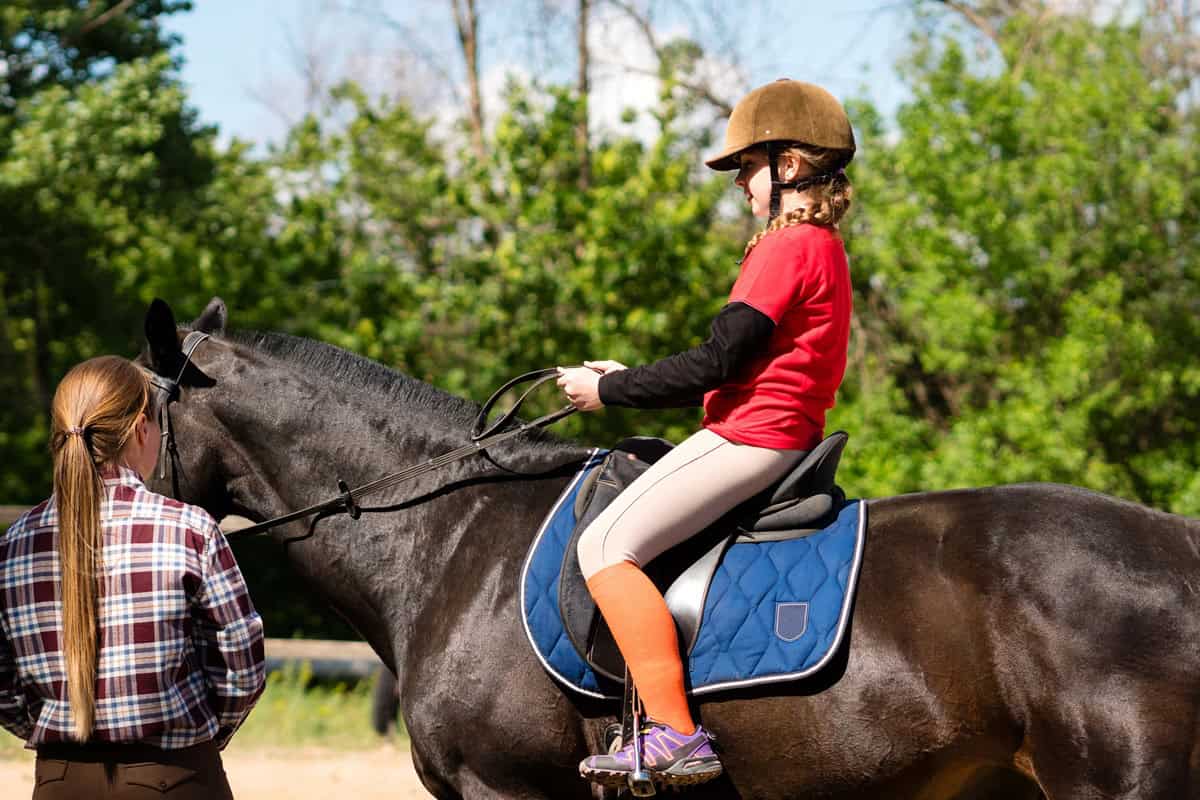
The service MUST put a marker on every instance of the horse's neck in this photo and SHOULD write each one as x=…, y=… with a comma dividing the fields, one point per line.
x=384, y=571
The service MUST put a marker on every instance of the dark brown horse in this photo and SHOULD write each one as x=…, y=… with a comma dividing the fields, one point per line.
x=1010, y=642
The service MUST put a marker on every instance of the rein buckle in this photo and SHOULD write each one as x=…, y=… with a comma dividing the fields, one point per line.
x=347, y=500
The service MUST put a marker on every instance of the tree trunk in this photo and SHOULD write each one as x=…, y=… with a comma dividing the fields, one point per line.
x=581, y=130
x=40, y=352
x=466, y=19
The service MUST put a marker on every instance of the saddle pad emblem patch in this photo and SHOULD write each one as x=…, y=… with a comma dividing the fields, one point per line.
x=791, y=620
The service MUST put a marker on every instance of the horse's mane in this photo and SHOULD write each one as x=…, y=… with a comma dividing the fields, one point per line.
x=342, y=365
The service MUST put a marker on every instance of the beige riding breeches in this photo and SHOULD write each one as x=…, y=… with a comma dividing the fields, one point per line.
x=688, y=489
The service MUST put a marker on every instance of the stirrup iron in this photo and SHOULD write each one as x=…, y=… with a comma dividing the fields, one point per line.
x=640, y=782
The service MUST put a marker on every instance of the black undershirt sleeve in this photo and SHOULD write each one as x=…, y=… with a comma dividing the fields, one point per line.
x=739, y=334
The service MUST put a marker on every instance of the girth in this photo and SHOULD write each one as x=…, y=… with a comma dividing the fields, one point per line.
x=805, y=501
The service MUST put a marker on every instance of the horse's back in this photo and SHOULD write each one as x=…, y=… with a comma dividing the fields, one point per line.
x=1105, y=581
x=1075, y=554
x=1071, y=614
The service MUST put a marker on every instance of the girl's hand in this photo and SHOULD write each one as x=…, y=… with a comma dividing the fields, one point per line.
x=605, y=367
x=582, y=387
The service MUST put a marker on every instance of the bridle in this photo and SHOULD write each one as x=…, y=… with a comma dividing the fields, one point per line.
x=346, y=502
x=168, y=392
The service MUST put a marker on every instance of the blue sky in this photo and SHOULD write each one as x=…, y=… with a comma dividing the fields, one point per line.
x=241, y=55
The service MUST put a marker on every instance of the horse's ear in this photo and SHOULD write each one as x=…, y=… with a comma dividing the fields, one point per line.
x=161, y=335
x=213, y=319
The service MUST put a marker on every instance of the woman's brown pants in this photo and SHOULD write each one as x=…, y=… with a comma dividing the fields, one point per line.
x=129, y=772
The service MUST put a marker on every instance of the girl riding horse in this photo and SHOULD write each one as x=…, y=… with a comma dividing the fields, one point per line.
x=766, y=376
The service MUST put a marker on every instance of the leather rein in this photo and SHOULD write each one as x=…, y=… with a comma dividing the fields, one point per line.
x=346, y=502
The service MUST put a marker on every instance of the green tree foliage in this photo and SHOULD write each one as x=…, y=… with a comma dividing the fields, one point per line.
x=55, y=173
x=112, y=193
x=1026, y=270
x=68, y=43
x=465, y=272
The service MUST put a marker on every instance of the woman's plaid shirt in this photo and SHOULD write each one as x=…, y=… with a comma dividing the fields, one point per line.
x=181, y=646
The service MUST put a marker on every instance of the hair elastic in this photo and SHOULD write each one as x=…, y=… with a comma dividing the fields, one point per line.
x=74, y=431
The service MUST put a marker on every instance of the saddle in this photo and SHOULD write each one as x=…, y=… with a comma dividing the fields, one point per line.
x=805, y=501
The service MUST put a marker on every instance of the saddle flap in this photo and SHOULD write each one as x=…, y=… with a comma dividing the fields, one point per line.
x=645, y=448
x=683, y=574
x=581, y=620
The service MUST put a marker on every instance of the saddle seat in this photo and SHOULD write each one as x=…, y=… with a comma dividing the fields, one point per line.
x=805, y=501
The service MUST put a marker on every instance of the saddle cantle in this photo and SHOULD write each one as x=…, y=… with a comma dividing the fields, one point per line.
x=805, y=501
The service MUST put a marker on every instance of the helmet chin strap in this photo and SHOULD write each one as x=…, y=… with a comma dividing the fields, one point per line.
x=777, y=186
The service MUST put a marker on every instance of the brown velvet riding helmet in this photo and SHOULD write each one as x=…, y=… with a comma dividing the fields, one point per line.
x=785, y=111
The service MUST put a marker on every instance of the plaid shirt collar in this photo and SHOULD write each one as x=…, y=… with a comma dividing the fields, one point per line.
x=121, y=475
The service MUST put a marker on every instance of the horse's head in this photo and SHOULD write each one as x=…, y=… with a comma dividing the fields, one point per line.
x=196, y=466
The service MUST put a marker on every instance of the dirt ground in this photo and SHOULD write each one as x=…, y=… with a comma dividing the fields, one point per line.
x=375, y=774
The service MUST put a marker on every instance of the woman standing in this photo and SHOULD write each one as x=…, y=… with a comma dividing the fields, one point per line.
x=129, y=649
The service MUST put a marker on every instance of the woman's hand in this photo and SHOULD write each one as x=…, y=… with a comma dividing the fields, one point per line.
x=582, y=386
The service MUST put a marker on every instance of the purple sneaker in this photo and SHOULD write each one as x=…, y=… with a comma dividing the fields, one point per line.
x=672, y=758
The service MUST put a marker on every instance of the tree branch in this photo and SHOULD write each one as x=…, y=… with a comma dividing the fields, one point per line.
x=702, y=91
x=640, y=21
x=582, y=142
x=975, y=18
x=424, y=54
x=117, y=10
x=466, y=21
x=699, y=90
x=1019, y=66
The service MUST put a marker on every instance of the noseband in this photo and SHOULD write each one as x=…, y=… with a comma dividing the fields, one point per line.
x=482, y=436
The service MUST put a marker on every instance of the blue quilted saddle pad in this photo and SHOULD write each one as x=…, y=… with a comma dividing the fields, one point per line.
x=775, y=610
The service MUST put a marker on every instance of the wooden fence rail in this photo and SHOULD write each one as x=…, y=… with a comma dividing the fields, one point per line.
x=327, y=658
x=9, y=514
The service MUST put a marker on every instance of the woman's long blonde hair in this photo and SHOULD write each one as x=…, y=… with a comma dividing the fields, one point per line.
x=96, y=409
x=825, y=202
